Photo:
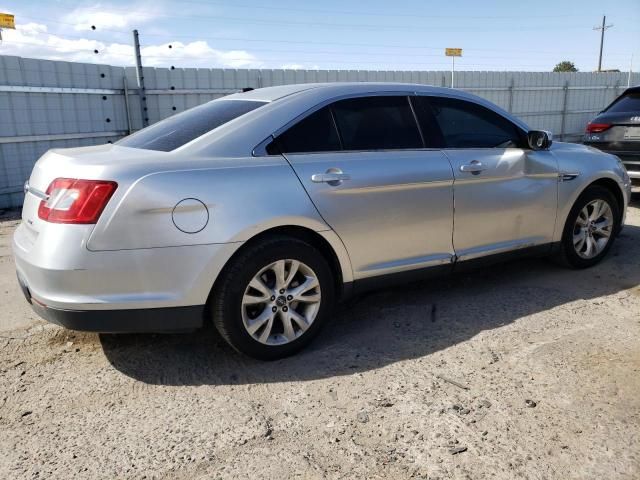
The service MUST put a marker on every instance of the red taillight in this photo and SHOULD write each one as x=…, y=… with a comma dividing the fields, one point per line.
x=597, y=127
x=75, y=201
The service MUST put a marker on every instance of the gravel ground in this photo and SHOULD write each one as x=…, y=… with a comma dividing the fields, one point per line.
x=524, y=370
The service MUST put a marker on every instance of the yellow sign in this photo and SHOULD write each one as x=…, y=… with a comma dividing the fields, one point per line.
x=453, y=52
x=7, y=21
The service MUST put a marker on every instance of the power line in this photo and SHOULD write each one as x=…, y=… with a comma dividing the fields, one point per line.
x=168, y=58
x=364, y=13
x=360, y=12
x=275, y=59
x=171, y=36
x=365, y=26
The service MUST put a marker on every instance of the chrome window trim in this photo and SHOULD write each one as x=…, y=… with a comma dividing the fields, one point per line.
x=389, y=150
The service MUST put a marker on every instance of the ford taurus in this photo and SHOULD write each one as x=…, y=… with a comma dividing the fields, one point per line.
x=259, y=210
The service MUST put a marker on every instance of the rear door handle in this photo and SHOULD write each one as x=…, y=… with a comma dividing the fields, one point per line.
x=474, y=167
x=333, y=177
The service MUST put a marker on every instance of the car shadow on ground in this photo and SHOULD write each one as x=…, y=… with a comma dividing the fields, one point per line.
x=388, y=326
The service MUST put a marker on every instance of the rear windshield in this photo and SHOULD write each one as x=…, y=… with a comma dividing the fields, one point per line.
x=627, y=103
x=175, y=131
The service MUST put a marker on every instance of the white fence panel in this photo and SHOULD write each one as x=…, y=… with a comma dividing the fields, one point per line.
x=52, y=104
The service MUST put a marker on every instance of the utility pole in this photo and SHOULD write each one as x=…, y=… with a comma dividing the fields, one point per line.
x=140, y=77
x=602, y=30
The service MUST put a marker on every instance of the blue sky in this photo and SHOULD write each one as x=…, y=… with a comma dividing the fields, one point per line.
x=345, y=34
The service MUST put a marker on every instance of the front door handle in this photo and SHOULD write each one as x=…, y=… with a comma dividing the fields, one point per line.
x=333, y=177
x=475, y=167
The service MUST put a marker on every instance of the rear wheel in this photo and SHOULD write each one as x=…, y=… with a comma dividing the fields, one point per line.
x=273, y=298
x=591, y=228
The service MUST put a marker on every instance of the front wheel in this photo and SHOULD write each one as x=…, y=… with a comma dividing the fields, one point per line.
x=273, y=298
x=591, y=228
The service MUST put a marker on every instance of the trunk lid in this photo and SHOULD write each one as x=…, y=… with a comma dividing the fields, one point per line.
x=101, y=162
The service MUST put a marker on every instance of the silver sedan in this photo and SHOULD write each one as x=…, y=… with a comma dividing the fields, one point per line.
x=258, y=211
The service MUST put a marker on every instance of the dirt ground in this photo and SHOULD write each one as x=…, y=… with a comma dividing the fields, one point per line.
x=525, y=370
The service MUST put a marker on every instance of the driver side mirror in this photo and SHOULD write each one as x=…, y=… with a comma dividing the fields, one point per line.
x=539, y=139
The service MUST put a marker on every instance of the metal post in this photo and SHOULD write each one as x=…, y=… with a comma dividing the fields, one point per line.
x=630, y=69
x=511, y=85
x=453, y=67
x=564, y=109
x=140, y=77
x=126, y=103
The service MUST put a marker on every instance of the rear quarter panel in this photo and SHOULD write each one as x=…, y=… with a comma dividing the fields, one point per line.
x=242, y=197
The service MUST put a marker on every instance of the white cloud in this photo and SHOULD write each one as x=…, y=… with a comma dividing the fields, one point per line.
x=196, y=54
x=84, y=18
x=33, y=40
x=298, y=66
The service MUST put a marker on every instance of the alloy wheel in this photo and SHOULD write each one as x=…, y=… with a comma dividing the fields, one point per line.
x=281, y=302
x=593, y=229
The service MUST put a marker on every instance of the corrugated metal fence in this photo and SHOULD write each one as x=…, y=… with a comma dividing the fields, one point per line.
x=50, y=104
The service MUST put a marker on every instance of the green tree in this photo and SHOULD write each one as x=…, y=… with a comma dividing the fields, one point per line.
x=565, y=66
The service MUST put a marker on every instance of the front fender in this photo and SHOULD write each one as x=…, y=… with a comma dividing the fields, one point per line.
x=591, y=166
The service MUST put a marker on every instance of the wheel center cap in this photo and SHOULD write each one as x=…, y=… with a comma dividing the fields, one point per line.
x=281, y=301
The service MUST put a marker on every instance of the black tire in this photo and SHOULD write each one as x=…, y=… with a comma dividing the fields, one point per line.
x=226, y=300
x=568, y=255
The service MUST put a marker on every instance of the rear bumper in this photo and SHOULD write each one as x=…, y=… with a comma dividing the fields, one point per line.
x=169, y=319
x=62, y=274
x=146, y=290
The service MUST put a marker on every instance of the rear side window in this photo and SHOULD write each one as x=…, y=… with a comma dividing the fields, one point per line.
x=468, y=125
x=629, y=103
x=180, y=129
x=315, y=133
x=376, y=123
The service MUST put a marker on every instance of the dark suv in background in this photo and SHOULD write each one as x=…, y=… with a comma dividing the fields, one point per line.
x=616, y=130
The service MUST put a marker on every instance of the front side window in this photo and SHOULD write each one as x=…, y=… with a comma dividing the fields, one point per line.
x=376, y=123
x=180, y=129
x=468, y=125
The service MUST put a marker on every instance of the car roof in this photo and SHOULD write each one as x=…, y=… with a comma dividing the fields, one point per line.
x=321, y=91
x=287, y=103
x=269, y=94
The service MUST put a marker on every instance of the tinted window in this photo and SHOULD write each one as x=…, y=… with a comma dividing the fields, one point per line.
x=175, y=131
x=627, y=103
x=468, y=125
x=376, y=123
x=315, y=133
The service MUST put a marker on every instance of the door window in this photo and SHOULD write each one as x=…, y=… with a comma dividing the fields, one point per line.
x=376, y=123
x=468, y=125
x=315, y=133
